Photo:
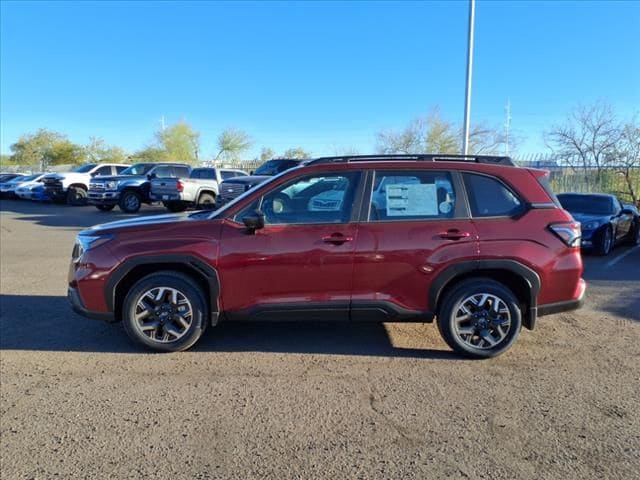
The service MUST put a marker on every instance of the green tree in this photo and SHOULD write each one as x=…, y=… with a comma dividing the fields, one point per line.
x=180, y=143
x=97, y=151
x=266, y=154
x=297, y=152
x=149, y=154
x=43, y=148
x=232, y=143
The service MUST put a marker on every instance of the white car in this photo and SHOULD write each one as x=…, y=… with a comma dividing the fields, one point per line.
x=72, y=186
x=29, y=190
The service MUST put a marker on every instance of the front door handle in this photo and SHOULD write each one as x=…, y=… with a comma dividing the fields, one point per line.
x=337, y=239
x=454, y=234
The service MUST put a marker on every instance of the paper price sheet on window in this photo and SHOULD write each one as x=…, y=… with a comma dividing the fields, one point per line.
x=408, y=200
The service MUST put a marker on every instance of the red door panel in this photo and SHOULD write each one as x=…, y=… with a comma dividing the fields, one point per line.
x=287, y=265
x=397, y=261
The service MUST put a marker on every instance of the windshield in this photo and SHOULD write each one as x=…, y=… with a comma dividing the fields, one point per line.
x=84, y=168
x=588, y=204
x=272, y=167
x=138, y=169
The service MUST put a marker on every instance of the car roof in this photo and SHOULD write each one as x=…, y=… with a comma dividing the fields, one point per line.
x=585, y=194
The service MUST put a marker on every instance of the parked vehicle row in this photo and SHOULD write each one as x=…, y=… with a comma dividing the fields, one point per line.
x=475, y=243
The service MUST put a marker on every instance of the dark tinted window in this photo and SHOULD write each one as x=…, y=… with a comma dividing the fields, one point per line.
x=488, y=197
x=181, y=172
x=273, y=167
x=105, y=170
x=412, y=195
x=229, y=174
x=208, y=173
x=162, y=171
x=120, y=168
x=589, y=204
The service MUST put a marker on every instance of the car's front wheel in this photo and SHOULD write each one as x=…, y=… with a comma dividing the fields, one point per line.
x=76, y=196
x=634, y=235
x=165, y=311
x=130, y=202
x=480, y=318
x=604, y=242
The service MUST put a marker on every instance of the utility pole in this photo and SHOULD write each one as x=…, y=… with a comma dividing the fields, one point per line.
x=507, y=125
x=162, y=123
x=467, y=96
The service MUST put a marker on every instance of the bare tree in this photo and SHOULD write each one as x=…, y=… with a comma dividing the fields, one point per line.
x=587, y=138
x=627, y=157
x=434, y=134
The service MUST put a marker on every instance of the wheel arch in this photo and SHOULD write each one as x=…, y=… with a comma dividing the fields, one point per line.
x=520, y=279
x=130, y=271
x=210, y=191
x=78, y=184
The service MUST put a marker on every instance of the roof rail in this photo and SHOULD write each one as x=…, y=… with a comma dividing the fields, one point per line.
x=427, y=157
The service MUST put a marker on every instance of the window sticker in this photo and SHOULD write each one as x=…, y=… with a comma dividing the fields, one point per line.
x=409, y=200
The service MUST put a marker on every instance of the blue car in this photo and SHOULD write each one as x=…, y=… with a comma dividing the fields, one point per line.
x=604, y=220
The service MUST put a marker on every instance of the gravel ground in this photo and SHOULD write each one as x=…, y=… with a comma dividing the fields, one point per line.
x=78, y=400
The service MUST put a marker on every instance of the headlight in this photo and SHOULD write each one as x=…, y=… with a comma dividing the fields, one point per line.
x=590, y=225
x=111, y=185
x=87, y=242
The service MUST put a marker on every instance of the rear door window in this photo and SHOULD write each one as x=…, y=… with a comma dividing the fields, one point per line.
x=180, y=172
x=412, y=195
x=489, y=197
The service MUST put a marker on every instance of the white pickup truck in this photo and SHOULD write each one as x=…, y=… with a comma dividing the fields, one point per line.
x=72, y=186
x=200, y=189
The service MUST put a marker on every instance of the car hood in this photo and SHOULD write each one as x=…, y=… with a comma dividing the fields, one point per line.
x=248, y=180
x=27, y=185
x=150, y=221
x=586, y=218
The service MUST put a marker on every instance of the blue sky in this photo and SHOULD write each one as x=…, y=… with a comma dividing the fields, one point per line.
x=323, y=76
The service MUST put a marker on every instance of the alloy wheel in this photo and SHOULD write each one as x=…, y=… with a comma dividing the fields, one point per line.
x=163, y=314
x=482, y=320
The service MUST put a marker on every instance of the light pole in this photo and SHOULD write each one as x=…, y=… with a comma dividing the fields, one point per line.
x=467, y=94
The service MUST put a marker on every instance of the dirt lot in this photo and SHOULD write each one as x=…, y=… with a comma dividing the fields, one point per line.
x=78, y=400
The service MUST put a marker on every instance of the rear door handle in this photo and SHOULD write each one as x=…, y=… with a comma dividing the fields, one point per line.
x=454, y=234
x=337, y=239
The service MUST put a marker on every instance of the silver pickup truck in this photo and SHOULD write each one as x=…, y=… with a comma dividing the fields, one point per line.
x=200, y=189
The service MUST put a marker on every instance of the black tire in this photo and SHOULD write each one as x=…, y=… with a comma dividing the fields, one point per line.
x=206, y=201
x=173, y=280
x=105, y=208
x=604, y=241
x=130, y=201
x=175, y=206
x=634, y=234
x=481, y=323
x=76, y=196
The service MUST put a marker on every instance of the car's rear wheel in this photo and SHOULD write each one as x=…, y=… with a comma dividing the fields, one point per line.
x=480, y=318
x=604, y=242
x=206, y=201
x=165, y=311
x=76, y=196
x=130, y=202
x=105, y=208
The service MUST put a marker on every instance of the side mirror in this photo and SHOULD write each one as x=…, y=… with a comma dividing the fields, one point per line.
x=250, y=172
x=626, y=211
x=254, y=222
x=151, y=176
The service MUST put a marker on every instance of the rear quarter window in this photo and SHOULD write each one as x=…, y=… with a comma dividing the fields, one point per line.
x=489, y=197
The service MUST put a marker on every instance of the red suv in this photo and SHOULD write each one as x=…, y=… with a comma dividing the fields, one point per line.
x=475, y=242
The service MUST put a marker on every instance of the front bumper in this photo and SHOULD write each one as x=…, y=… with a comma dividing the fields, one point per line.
x=103, y=198
x=80, y=309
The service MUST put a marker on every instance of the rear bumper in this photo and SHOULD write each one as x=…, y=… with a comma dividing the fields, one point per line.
x=167, y=197
x=565, y=306
x=80, y=309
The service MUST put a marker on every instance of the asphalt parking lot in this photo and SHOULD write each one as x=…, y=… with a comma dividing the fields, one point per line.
x=79, y=400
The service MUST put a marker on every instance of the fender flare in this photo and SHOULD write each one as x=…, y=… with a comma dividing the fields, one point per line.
x=477, y=266
x=193, y=263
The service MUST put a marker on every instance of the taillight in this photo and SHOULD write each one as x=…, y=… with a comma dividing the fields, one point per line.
x=568, y=232
x=180, y=186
